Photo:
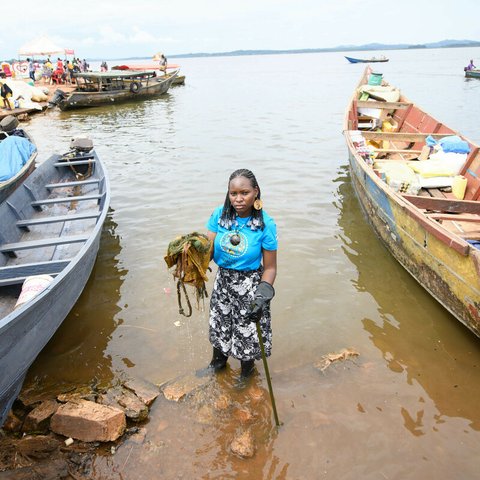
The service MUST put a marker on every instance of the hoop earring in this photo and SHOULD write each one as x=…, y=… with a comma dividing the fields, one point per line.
x=257, y=204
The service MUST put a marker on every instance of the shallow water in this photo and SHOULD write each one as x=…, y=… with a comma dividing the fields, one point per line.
x=406, y=408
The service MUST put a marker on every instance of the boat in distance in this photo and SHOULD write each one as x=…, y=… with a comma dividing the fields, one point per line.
x=99, y=88
x=472, y=73
x=367, y=60
x=22, y=167
x=417, y=180
x=49, y=239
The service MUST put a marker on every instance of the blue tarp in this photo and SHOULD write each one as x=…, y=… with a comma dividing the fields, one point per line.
x=14, y=153
x=451, y=143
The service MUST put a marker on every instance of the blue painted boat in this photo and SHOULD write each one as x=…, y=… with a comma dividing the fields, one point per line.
x=50, y=232
x=367, y=60
x=434, y=234
x=472, y=73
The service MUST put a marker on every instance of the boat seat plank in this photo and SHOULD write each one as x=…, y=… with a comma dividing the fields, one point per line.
x=393, y=150
x=12, y=274
x=45, y=242
x=79, y=162
x=401, y=137
x=72, y=184
x=444, y=204
x=59, y=218
x=49, y=201
x=454, y=217
x=380, y=104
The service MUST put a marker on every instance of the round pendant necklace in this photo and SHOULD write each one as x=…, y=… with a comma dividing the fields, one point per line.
x=235, y=238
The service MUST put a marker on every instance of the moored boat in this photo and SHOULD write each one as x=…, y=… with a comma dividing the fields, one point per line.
x=417, y=181
x=178, y=78
x=367, y=60
x=49, y=239
x=100, y=88
x=17, y=154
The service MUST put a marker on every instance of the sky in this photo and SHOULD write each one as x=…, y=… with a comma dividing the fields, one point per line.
x=106, y=29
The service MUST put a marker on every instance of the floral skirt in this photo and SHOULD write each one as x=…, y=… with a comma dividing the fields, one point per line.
x=230, y=330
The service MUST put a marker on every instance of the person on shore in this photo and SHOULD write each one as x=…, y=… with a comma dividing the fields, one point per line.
x=47, y=72
x=163, y=64
x=245, y=245
x=470, y=66
x=31, y=69
x=104, y=66
x=6, y=93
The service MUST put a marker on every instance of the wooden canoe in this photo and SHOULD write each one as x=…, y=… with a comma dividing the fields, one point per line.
x=430, y=232
x=367, y=60
x=51, y=225
x=472, y=73
x=106, y=88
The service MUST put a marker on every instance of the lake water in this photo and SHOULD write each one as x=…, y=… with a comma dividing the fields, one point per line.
x=405, y=408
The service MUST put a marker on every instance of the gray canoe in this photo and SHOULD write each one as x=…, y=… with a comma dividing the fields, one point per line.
x=50, y=225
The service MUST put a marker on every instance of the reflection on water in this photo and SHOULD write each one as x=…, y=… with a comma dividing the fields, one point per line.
x=76, y=355
x=415, y=334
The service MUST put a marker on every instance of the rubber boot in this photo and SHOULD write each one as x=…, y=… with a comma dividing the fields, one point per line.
x=248, y=366
x=219, y=360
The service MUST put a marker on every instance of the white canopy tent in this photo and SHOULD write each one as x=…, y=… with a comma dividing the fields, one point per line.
x=40, y=46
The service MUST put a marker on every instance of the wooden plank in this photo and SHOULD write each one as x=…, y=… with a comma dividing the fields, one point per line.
x=46, y=242
x=383, y=105
x=454, y=217
x=72, y=184
x=444, y=204
x=392, y=150
x=28, y=269
x=49, y=201
x=400, y=136
x=60, y=218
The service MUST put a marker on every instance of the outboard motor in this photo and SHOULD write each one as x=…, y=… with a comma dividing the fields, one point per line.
x=8, y=126
x=80, y=149
x=58, y=96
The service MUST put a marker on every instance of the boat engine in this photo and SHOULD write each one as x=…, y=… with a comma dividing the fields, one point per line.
x=80, y=149
x=58, y=96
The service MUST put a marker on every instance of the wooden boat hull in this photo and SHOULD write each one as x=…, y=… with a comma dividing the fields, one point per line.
x=363, y=60
x=472, y=73
x=442, y=262
x=78, y=99
x=24, y=331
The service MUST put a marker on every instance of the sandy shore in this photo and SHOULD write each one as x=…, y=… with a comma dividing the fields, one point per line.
x=22, y=112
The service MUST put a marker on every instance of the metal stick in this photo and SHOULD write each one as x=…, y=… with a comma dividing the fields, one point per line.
x=265, y=365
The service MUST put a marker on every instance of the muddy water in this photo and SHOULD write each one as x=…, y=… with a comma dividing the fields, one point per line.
x=405, y=408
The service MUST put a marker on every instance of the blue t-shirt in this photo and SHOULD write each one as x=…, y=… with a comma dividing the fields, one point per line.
x=247, y=255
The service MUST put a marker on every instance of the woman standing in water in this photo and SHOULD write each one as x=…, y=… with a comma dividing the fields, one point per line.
x=245, y=249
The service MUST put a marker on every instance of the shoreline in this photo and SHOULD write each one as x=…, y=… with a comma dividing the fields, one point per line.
x=22, y=113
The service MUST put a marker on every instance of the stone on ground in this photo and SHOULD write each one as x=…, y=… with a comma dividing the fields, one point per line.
x=89, y=421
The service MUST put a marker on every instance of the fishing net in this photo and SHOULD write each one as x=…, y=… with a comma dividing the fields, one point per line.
x=190, y=255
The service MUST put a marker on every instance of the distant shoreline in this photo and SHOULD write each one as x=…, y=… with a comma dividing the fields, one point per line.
x=350, y=48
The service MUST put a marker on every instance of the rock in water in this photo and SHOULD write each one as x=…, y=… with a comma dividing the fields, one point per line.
x=243, y=444
x=88, y=421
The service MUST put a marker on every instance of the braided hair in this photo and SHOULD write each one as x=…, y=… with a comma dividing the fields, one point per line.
x=228, y=216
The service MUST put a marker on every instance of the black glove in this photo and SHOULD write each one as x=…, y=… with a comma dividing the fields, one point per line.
x=263, y=294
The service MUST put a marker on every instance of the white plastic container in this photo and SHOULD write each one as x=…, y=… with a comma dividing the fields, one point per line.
x=31, y=287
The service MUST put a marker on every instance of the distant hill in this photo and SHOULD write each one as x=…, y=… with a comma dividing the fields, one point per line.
x=341, y=48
